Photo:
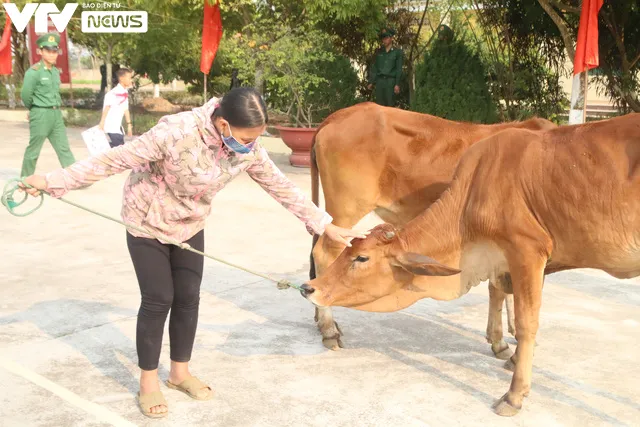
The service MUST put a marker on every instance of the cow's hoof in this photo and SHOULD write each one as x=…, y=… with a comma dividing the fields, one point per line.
x=501, y=350
x=512, y=331
x=510, y=365
x=505, y=408
x=333, y=343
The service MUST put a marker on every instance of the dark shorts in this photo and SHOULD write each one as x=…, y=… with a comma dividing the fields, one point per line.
x=116, y=139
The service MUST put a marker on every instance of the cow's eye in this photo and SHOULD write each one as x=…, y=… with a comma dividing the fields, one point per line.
x=361, y=258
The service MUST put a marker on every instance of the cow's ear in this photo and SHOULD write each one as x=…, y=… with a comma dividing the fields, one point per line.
x=423, y=265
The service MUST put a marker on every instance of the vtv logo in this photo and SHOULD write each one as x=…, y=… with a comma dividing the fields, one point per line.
x=42, y=11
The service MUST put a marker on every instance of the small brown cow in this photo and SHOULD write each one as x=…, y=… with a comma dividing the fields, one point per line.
x=396, y=163
x=521, y=204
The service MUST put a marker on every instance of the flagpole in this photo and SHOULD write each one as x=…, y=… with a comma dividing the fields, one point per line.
x=205, y=88
x=586, y=90
x=586, y=57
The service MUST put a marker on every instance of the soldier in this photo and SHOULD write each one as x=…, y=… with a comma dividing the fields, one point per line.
x=386, y=70
x=41, y=95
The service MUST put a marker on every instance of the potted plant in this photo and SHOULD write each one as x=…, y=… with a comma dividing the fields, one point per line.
x=297, y=67
x=299, y=137
x=290, y=68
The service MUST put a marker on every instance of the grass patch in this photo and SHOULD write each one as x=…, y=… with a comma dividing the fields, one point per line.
x=86, y=82
x=84, y=92
x=81, y=118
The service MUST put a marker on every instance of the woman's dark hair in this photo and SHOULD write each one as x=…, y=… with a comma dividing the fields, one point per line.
x=243, y=107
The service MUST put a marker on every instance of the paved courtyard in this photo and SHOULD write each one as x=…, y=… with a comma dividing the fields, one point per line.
x=69, y=298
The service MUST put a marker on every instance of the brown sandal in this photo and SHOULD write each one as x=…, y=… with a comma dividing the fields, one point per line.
x=149, y=400
x=193, y=387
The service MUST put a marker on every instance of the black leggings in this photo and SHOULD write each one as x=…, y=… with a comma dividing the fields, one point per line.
x=169, y=278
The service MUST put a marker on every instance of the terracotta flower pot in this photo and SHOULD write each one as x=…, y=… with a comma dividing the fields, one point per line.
x=299, y=140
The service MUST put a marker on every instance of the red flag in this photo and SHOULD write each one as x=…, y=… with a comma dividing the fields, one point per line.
x=5, y=49
x=211, y=35
x=587, y=46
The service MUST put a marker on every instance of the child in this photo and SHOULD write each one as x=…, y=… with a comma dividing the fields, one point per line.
x=116, y=105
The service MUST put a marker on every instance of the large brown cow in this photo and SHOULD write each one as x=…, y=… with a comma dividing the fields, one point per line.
x=396, y=163
x=521, y=204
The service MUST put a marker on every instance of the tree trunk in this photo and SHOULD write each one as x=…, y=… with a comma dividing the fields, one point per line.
x=259, y=78
x=411, y=76
x=11, y=91
x=562, y=27
x=629, y=98
x=633, y=102
x=19, y=42
x=108, y=65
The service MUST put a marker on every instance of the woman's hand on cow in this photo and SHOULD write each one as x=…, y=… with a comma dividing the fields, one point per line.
x=36, y=183
x=343, y=235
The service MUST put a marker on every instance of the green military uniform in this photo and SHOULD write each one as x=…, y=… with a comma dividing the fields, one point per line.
x=41, y=95
x=386, y=72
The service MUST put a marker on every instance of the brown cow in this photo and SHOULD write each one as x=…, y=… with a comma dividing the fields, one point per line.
x=521, y=204
x=396, y=163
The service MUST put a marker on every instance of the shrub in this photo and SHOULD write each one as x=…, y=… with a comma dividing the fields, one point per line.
x=527, y=88
x=183, y=98
x=84, y=118
x=337, y=91
x=81, y=117
x=451, y=83
x=78, y=93
x=82, y=97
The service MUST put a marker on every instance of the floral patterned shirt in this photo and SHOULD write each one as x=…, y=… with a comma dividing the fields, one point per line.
x=178, y=166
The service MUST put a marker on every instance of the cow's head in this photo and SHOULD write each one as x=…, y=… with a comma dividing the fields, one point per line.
x=370, y=269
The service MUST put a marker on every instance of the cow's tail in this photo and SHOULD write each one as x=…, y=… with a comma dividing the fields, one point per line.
x=315, y=197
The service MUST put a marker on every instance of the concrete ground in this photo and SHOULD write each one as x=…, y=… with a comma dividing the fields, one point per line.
x=69, y=298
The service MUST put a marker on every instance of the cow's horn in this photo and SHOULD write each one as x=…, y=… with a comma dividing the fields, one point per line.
x=389, y=235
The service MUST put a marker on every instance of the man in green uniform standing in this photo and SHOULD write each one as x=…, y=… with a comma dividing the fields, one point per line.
x=41, y=95
x=386, y=70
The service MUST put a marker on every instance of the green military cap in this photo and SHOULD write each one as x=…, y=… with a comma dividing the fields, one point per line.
x=49, y=39
x=387, y=32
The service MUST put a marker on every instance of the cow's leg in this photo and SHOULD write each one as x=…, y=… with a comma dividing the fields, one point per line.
x=331, y=332
x=324, y=253
x=527, y=274
x=511, y=320
x=494, y=323
x=346, y=213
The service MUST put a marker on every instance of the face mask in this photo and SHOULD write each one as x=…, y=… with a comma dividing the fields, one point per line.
x=234, y=145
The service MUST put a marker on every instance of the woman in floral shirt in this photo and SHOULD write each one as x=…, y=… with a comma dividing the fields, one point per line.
x=177, y=168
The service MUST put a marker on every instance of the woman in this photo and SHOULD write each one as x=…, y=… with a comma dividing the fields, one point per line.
x=177, y=168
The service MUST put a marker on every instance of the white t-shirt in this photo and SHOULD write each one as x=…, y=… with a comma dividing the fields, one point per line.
x=117, y=99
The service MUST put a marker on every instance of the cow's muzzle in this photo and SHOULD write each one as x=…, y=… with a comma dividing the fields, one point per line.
x=306, y=290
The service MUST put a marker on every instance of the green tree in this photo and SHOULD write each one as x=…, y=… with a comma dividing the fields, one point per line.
x=354, y=28
x=451, y=83
x=619, y=44
x=524, y=56
x=108, y=47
